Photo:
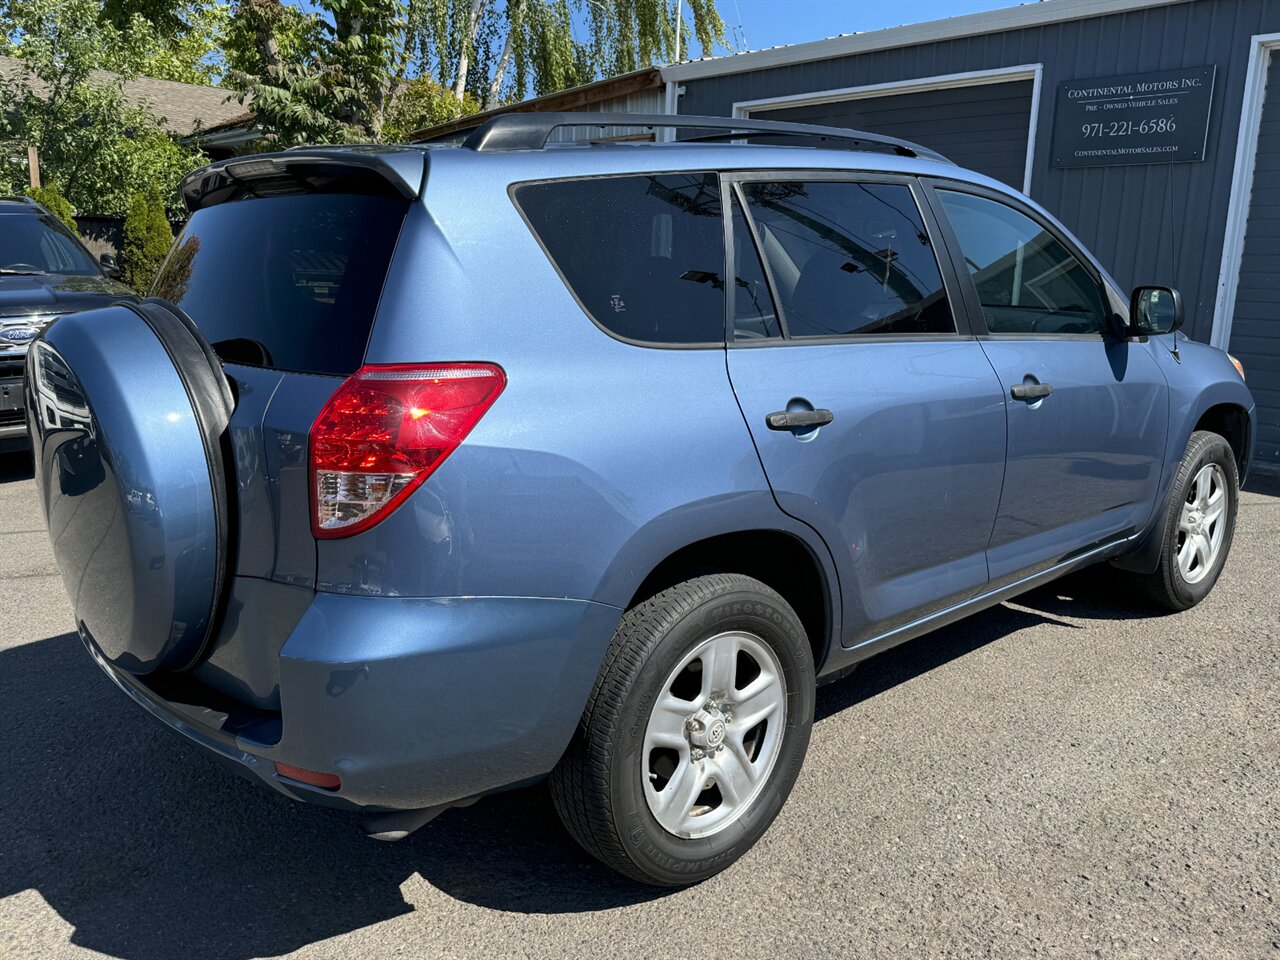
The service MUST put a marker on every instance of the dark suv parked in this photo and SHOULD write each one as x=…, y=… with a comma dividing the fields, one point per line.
x=434, y=471
x=45, y=272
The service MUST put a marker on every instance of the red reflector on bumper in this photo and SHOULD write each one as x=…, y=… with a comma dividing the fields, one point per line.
x=327, y=781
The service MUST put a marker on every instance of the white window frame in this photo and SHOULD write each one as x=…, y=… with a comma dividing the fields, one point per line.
x=1262, y=47
x=950, y=81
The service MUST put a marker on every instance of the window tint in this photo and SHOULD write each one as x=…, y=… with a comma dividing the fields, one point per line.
x=287, y=282
x=1027, y=281
x=41, y=243
x=849, y=258
x=644, y=255
x=754, y=316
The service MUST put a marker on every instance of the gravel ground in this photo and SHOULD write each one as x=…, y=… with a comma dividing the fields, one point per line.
x=1062, y=776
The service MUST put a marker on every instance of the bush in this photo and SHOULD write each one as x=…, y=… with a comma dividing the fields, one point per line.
x=51, y=199
x=147, y=238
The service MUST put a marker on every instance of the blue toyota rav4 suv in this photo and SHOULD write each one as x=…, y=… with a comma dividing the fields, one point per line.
x=431, y=471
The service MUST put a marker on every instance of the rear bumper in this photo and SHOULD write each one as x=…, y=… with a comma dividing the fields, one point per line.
x=412, y=702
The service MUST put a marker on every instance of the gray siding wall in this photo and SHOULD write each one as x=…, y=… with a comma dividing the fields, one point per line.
x=1255, y=326
x=1150, y=224
x=646, y=101
x=983, y=128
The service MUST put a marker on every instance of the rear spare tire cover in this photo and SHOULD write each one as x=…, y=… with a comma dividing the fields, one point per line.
x=125, y=410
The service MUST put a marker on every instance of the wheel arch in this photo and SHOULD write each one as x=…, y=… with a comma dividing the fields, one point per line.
x=1231, y=421
x=781, y=559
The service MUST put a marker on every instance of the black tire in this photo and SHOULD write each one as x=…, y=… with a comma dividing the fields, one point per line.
x=1165, y=587
x=598, y=786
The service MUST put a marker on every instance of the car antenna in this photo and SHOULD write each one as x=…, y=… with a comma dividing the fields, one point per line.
x=1173, y=248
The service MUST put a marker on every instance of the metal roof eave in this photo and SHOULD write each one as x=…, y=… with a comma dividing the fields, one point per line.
x=1043, y=13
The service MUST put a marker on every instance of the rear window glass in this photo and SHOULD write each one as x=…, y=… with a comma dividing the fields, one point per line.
x=644, y=255
x=286, y=282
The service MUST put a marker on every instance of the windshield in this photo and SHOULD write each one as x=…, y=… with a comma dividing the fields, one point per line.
x=41, y=245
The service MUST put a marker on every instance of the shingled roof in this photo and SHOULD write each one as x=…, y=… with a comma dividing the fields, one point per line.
x=180, y=106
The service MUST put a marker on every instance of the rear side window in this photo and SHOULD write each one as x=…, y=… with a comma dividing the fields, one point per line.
x=644, y=255
x=286, y=282
x=849, y=258
x=754, y=316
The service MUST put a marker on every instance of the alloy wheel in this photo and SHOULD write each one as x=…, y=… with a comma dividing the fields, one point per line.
x=1202, y=524
x=714, y=734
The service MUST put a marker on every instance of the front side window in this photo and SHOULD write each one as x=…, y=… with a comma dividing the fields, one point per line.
x=1027, y=281
x=849, y=258
x=644, y=255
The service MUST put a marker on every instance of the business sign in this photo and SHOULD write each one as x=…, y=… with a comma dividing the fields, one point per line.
x=1140, y=118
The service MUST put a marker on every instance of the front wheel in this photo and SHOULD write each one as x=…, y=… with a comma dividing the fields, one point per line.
x=1199, y=523
x=694, y=733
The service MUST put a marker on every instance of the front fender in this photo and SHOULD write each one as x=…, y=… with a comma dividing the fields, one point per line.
x=1200, y=378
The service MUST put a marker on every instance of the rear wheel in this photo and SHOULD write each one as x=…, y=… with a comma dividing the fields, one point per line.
x=694, y=733
x=1199, y=523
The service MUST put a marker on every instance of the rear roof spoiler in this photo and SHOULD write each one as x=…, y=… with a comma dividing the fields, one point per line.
x=363, y=168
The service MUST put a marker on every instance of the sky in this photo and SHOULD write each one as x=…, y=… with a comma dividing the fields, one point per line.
x=769, y=23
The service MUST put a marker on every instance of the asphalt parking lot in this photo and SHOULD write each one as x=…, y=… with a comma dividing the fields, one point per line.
x=1063, y=776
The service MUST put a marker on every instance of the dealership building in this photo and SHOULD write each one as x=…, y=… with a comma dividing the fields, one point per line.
x=1151, y=128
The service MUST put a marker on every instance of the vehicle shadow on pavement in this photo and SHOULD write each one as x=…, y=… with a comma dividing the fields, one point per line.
x=15, y=466
x=151, y=849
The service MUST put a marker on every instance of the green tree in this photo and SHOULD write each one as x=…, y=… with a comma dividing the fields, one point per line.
x=51, y=198
x=185, y=43
x=334, y=84
x=505, y=49
x=91, y=141
x=340, y=73
x=423, y=103
x=147, y=238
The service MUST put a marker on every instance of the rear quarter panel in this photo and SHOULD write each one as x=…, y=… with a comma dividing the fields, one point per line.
x=599, y=459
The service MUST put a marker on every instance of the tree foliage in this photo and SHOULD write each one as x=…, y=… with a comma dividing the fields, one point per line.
x=322, y=77
x=51, y=198
x=506, y=49
x=423, y=103
x=94, y=146
x=147, y=238
x=342, y=71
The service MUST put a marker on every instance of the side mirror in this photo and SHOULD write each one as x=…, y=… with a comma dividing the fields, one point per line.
x=109, y=266
x=1154, y=310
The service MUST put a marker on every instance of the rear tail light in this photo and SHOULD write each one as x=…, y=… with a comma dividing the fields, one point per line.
x=384, y=431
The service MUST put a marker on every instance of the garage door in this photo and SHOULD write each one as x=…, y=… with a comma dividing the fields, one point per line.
x=1255, y=325
x=983, y=127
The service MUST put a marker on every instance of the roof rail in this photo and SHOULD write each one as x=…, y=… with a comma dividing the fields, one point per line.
x=19, y=198
x=531, y=131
